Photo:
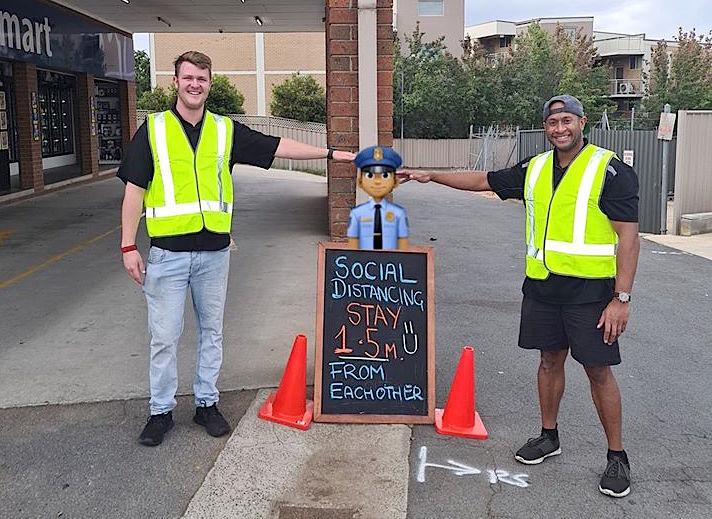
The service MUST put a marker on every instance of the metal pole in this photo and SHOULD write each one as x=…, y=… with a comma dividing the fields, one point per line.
x=632, y=118
x=664, y=182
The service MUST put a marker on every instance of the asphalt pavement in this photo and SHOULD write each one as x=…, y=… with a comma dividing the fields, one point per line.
x=73, y=375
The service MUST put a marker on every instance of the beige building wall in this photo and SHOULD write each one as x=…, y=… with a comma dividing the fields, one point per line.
x=570, y=24
x=247, y=60
x=451, y=23
x=295, y=51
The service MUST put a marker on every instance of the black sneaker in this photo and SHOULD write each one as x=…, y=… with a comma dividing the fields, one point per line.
x=538, y=449
x=615, y=481
x=158, y=425
x=212, y=420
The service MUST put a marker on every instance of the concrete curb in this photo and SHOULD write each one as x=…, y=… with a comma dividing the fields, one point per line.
x=269, y=471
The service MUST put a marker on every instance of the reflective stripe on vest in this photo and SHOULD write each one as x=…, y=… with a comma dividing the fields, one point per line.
x=532, y=178
x=205, y=187
x=577, y=239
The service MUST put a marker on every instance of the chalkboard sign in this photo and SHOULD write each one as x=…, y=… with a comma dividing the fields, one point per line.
x=375, y=353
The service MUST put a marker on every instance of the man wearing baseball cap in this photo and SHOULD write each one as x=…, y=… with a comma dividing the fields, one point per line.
x=582, y=245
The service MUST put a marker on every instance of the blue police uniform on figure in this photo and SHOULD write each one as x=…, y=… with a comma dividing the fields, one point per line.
x=363, y=219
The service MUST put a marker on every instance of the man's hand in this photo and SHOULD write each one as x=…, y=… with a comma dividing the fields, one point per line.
x=134, y=266
x=614, y=320
x=343, y=156
x=412, y=174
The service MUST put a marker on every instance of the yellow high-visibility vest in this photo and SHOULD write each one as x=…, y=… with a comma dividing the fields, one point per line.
x=566, y=231
x=190, y=190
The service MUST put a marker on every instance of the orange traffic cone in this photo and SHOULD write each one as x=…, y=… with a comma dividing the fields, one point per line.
x=460, y=417
x=289, y=405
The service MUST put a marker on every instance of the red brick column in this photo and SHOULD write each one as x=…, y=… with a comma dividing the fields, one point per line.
x=87, y=132
x=342, y=98
x=29, y=150
x=127, y=102
x=341, y=108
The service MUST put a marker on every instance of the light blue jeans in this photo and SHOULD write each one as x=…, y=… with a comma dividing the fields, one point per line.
x=168, y=277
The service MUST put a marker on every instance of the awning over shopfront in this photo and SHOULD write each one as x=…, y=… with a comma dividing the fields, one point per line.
x=199, y=16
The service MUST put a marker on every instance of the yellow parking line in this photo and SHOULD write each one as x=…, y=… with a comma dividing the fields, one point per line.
x=55, y=259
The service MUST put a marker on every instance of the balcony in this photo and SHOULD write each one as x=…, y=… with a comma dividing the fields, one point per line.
x=626, y=88
x=620, y=46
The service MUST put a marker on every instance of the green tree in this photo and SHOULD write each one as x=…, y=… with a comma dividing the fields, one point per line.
x=143, y=72
x=224, y=98
x=542, y=65
x=299, y=97
x=681, y=76
x=156, y=100
x=432, y=104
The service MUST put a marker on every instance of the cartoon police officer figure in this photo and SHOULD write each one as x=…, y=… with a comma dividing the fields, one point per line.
x=378, y=223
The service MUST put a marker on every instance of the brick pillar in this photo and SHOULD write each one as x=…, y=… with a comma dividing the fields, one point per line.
x=342, y=98
x=127, y=103
x=29, y=150
x=341, y=108
x=87, y=132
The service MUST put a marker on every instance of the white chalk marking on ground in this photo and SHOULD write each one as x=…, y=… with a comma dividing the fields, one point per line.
x=460, y=469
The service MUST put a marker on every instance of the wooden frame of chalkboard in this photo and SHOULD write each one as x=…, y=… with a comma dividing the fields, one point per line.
x=372, y=307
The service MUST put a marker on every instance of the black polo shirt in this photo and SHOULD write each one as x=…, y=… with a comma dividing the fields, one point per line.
x=248, y=147
x=619, y=201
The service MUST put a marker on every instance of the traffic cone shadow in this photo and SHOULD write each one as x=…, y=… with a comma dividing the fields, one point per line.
x=289, y=405
x=459, y=417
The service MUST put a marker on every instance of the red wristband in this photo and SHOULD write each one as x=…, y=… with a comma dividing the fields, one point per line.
x=128, y=248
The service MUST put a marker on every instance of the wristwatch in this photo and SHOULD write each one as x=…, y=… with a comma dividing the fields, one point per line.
x=623, y=297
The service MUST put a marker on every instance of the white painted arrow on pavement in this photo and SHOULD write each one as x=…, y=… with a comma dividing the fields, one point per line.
x=459, y=469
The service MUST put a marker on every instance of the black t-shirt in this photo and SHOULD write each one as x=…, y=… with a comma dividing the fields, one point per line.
x=248, y=147
x=618, y=201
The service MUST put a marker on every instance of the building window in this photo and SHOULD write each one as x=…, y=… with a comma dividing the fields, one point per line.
x=634, y=62
x=503, y=42
x=56, y=104
x=431, y=7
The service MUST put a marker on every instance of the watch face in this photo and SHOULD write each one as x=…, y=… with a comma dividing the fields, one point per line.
x=623, y=297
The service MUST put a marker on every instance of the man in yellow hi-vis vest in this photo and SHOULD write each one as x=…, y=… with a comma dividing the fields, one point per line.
x=581, y=231
x=178, y=167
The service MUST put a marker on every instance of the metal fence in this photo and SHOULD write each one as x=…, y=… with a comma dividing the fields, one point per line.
x=647, y=161
x=480, y=152
x=693, y=185
x=309, y=133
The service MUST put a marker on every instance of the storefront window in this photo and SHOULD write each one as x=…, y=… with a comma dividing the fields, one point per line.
x=108, y=119
x=56, y=100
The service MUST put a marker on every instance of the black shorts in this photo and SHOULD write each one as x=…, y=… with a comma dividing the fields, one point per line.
x=549, y=327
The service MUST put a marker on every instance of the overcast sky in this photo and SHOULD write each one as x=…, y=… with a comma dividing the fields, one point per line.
x=656, y=18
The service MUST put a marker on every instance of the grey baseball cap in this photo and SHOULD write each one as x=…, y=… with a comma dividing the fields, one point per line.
x=571, y=105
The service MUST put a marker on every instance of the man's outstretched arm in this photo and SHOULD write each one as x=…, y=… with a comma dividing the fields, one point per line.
x=465, y=180
x=291, y=149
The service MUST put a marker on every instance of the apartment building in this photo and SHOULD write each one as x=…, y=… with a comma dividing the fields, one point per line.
x=436, y=18
x=496, y=37
x=255, y=62
x=627, y=55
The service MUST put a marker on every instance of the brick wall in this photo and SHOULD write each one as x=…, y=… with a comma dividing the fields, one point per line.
x=342, y=122
x=127, y=102
x=88, y=143
x=29, y=150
